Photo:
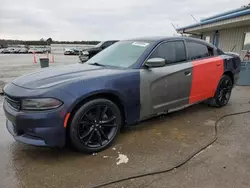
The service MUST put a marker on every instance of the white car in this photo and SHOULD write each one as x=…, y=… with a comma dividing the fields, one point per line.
x=35, y=50
x=2, y=49
x=72, y=51
x=23, y=50
x=8, y=50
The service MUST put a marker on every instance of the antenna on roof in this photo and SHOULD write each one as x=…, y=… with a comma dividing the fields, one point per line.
x=194, y=18
x=173, y=26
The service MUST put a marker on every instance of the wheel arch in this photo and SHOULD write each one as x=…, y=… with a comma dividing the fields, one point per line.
x=106, y=94
x=230, y=74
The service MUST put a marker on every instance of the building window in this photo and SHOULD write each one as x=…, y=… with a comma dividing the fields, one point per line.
x=207, y=38
x=246, y=45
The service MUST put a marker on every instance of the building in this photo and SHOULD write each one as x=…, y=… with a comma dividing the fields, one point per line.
x=230, y=31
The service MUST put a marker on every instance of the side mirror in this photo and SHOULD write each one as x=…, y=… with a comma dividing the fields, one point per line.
x=83, y=58
x=155, y=62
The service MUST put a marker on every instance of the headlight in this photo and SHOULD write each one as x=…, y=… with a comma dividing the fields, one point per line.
x=85, y=53
x=40, y=104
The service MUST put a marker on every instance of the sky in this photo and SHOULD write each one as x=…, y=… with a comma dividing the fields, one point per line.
x=102, y=19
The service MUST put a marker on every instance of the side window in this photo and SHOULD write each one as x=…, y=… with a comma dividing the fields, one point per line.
x=180, y=51
x=107, y=44
x=219, y=51
x=210, y=51
x=198, y=51
x=172, y=52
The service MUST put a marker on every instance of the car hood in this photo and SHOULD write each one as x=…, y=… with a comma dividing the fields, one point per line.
x=49, y=77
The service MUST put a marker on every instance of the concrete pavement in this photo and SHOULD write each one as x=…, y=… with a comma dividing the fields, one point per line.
x=14, y=65
x=152, y=145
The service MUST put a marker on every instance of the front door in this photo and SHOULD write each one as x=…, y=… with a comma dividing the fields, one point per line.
x=167, y=87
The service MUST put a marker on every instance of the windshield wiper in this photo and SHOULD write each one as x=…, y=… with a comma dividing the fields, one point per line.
x=97, y=64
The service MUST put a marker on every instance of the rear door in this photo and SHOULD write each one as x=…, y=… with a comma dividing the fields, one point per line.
x=167, y=87
x=208, y=69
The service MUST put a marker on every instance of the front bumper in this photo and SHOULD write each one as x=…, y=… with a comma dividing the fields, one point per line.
x=24, y=138
x=36, y=128
x=39, y=128
x=68, y=53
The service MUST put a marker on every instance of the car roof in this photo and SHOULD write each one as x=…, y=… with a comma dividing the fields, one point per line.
x=160, y=39
x=110, y=41
x=153, y=38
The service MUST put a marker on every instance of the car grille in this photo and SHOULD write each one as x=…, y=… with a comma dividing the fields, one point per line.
x=15, y=104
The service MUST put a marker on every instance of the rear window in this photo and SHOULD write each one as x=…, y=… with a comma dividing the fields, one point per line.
x=197, y=50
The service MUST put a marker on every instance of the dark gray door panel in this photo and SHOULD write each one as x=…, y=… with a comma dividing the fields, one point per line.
x=185, y=84
x=164, y=88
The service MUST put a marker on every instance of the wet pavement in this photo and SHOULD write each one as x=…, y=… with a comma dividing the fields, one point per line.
x=224, y=164
x=156, y=144
x=14, y=65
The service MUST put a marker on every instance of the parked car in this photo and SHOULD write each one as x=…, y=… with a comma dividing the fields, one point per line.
x=47, y=50
x=14, y=50
x=23, y=50
x=44, y=49
x=72, y=51
x=68, y=51
x=130, y=81
x=40, y=49
x=8, y=50
x=87, y=54
x=36, y=50
x=2, y=49
x=5, y=51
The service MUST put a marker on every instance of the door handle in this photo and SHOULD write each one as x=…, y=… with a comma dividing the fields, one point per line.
x=187, y=73
x=218, y=64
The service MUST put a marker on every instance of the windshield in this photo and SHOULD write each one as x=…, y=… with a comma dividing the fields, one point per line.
x=99, y=44
x=121, y=54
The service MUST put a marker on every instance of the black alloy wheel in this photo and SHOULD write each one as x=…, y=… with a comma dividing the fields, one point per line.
x=95, y=125
x=223, y=92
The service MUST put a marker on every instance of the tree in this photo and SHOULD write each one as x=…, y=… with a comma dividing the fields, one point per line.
x=49, y=41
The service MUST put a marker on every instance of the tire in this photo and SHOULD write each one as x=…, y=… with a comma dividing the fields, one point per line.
x=90, y=132
x=223, y=92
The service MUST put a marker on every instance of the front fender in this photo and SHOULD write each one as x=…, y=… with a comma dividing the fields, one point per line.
x=126, y=87
x=95, y=93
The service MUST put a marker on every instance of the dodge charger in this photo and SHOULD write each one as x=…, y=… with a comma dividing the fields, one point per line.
x=132, y=80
